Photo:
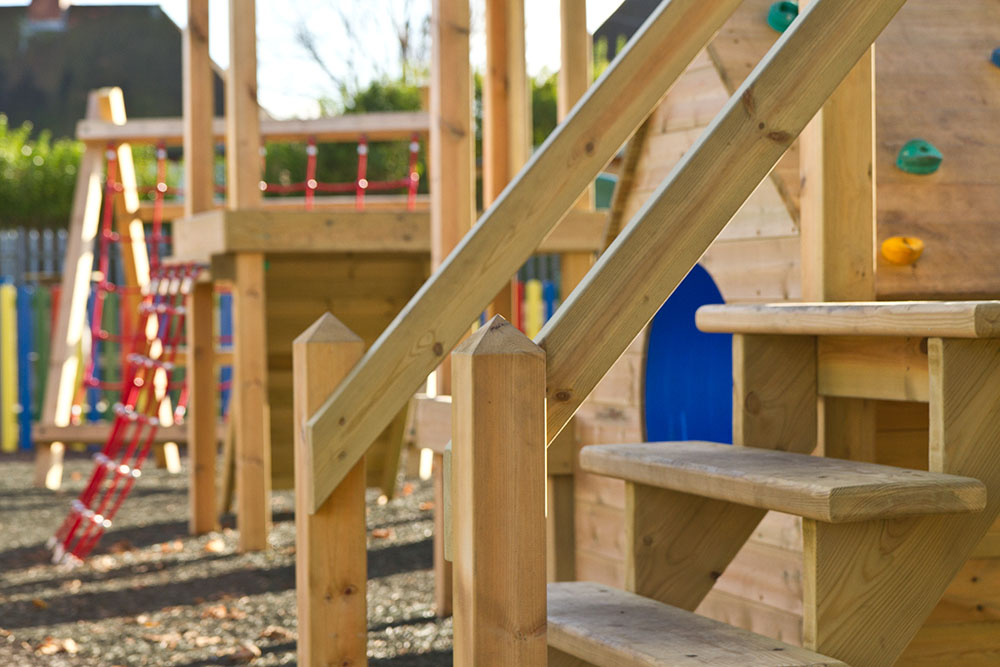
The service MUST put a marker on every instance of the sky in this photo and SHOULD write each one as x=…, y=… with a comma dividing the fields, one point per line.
x=289, y=82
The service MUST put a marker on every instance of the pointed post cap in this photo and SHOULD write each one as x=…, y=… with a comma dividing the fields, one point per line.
x=327, y=329
x=496, y=337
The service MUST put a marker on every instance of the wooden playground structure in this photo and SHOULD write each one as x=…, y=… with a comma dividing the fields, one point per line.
x=853, y=519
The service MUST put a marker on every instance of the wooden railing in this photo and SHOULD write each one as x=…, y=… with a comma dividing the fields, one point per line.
x=652, y=254
x=505, y=236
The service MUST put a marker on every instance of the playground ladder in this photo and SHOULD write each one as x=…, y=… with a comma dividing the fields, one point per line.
x=159, y=331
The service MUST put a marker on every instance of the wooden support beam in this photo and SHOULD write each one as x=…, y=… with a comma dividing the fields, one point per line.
x=221, y=232
x=837, y=165
x=202, y=409
x=377, y=126
x=710, y=183
x=199, y=142
x=506, y=112
x=443, y=572
x=892, y=369
x=252, y=418
x=838, y=192
x=498, y=463
x=452, y=149
x=250, y=403
x=452, y=175
x=574, y=79
x=870, y=586
x=331, y=567
x=199, y=189
x=242, y=112
x=560, y=506
x=438, y=316
x=64, y=362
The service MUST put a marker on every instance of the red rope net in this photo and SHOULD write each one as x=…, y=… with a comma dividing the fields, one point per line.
x=159, y=331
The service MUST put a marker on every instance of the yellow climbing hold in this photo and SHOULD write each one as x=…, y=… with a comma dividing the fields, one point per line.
x=902, y=250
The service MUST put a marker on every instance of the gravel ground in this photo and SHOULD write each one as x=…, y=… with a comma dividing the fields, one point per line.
x=151, y=595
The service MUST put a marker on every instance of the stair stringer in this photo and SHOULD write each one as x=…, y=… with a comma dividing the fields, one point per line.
x=870, y=586
x=677, y=545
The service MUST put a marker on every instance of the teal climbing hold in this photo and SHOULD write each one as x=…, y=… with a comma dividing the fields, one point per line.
x=995, y=56
x=781, y=15
x=919, y=157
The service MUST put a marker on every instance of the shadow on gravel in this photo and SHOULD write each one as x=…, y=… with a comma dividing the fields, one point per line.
x=402, y=558
x=429, y=659
x=134, y=601
x=130, y=570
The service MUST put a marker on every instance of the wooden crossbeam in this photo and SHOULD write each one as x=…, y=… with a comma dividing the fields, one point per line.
x=506, y=235
x=376, y=126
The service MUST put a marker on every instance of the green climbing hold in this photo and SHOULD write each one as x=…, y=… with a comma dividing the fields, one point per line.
x=781, y=15
x=919, y=157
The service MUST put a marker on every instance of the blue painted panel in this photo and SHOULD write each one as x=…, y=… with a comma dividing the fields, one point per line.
x=688, y=373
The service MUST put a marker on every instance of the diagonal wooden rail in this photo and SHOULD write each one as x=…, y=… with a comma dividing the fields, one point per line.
x=524, y=214
x=706, y=188
x=644, y=264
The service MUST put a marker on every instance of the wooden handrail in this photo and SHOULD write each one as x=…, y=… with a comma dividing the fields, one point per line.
x=667, y=236
x=376, y=126
x=440, y=313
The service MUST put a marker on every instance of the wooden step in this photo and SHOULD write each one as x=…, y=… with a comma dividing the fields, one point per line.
x=608, y=627
x=940, y=319
x=829, y=490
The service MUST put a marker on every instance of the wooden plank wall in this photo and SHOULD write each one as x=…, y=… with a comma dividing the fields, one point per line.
x=364, y=291
x=757, y=259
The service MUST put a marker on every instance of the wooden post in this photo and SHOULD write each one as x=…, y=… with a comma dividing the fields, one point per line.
x=506, y=110
x=199, y=107
x=201, y=425
x=498, y=463
x=331, y=569
x=837, y=164
x=253, y=436
x=64, y=364
x=452, y=148
x=453, y=200
x=199, y=180
x=574, y=79
x=443, y=575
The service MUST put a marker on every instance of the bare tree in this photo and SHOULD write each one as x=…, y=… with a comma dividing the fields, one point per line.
x=362, y=22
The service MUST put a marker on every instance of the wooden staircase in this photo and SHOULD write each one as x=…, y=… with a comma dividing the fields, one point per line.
x=881, y=543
